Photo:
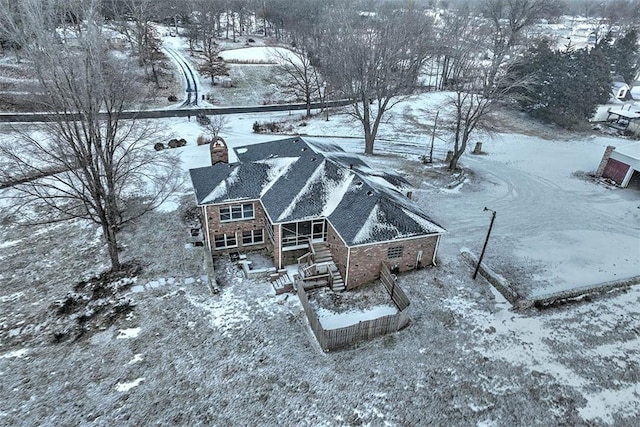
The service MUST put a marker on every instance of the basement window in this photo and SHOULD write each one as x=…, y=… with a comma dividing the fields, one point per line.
x=395, y=252
x=252, y=237
x=224, y=241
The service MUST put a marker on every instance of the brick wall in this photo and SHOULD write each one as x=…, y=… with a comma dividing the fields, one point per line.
x=604, y=160
x=338, y=249
x=291, y=257
x=237, y=227
x=365, y=261
x=219, y=151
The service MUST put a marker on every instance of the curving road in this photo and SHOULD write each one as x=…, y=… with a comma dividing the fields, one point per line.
x=191, y=90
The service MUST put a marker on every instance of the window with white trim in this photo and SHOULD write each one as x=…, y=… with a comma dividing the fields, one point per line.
x=236, y=212
x=224, y=241
x=395, y=252
x=252, y=237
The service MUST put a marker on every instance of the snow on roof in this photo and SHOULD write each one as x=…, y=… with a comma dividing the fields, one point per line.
x=221, y=190
x=335, y=192
x=631, y=150
x=278, y=166
x=381, y=181
x=261, y=54
x=297, y=183
x=315, y=176
x=631, y=115
x=376, y=222
x=423, y=222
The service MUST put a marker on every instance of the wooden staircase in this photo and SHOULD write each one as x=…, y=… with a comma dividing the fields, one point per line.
x=281, y=282
x=321, y=253
x=317, y=268
x=337, y=284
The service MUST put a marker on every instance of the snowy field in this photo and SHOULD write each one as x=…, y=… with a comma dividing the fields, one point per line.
x=247, y=357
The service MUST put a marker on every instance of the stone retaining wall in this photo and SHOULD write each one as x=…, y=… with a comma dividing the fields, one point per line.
x=503, y=286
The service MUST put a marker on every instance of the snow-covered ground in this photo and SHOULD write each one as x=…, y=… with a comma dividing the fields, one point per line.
x=248, y=357
x=259, y=54
x=556, y=227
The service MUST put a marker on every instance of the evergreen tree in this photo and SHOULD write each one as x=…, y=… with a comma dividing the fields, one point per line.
x=569, y=84
x=626, y=59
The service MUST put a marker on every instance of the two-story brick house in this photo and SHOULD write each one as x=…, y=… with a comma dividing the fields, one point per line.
x=285, y=195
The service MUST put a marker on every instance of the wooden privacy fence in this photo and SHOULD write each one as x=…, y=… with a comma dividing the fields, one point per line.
x=331, y=339
x=391, y=285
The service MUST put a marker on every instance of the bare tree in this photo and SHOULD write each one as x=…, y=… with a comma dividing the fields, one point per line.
x=508, y=21
x=87, y=162
x=476, y=85
x=295, y=74
x=216, y=124
x=13, y=33
x=479, y=58
x=134, y=21
x=374, y=60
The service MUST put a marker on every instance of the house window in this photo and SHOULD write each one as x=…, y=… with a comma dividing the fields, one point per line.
x=236, y=212
x=223, y=241
x=395, y=252
x=252, y=237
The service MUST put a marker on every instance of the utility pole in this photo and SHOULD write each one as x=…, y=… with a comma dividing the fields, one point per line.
x=493, y=217
x=324, y=100
x=433, y=136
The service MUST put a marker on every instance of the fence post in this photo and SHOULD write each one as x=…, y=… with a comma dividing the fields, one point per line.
x=393, y=288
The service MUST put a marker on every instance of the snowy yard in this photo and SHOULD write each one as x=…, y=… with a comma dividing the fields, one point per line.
x=248, y=357
x=338, y=310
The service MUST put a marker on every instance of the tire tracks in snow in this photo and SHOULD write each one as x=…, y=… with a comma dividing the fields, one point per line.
x=189, y=76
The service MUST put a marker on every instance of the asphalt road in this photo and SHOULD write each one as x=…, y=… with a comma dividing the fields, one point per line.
x=156, y=114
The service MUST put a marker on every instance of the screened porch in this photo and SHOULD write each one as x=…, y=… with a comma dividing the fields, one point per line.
x=296, y=235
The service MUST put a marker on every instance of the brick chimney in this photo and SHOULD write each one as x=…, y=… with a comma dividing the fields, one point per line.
x=605, y=159
x=219, y=151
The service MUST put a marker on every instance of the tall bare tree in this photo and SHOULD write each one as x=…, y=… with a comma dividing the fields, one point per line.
x=508, y=20
x=296, y=75
x=87, y=161
x=481, y=81
x=374, y=60
x=134, y=19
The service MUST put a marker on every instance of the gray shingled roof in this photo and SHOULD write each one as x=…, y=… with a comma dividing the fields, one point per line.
x=296, y=181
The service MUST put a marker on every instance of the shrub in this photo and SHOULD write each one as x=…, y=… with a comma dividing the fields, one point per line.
x=159, y=146
x=203, y=120
x=272, y=127
x=172, y=98
x=175, y=143
x=202, y=140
